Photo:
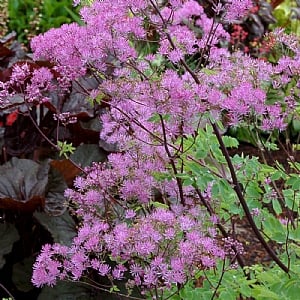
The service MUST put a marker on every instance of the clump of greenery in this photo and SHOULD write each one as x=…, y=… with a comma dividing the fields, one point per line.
x=287, y=14
x=31, y=17
x=3, y=17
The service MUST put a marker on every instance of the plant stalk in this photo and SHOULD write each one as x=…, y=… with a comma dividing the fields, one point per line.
x=242, y=200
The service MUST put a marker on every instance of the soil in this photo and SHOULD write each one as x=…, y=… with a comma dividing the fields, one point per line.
x=254, y=251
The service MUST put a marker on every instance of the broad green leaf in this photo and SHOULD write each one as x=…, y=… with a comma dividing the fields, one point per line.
x=253, y=191
x=201, y=153
x=159, y=205
x=276, y=206
x=296, y=125
x=263, y=292
x=230, y=142
x=195, y=168
x=294, y=181
x=274, y=229
x=188, y=182
x=154, y=118
x=246, y=290
x=227, y=295
x=291, y=198
x=292, y=288
x=203, y=180
x=74, y=16
x=295, y=234
x=276, y=175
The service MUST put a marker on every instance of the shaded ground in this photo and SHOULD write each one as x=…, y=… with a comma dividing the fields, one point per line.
x=254, y=252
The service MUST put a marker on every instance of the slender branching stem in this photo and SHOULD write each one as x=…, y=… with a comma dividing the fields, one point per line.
x=220, y=227
x=172, y=162
x=220, y=281
x=50, y=142
x=239, y=193
x=7, y=291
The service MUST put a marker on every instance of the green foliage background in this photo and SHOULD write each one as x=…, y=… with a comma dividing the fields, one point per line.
x=31, y=17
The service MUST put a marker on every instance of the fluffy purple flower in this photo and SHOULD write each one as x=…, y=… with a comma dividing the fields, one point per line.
x=118, y=272
x=236, y=9
x=93, y=197
x=130, y=213
x=136, y=270
x=19, y=74
x=150, y=277
x=76, y=2
x=145, y=248
x=79, y=261
x=104, y=269
x=46, y=270
x=4, y=94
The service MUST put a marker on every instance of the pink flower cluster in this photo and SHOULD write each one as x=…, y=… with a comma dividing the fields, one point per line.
x=155, y=102
x=164, y=248
x=31, y=82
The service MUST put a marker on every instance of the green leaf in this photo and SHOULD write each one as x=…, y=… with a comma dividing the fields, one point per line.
x=274, y=96
x=295, y=234
x=195, y=168
x=276, y=206
x=230, y=142
x=156, y=118
x=274, y=229
x=65, y=148
x=201, y=153
x=292, y=288
x=243, y=134
x=74, y=16
x=188, y=182
x=292, y=199
x=264, y=293
x=253, y=191
x=114, y=288
x=227, y=295
x=203, y=180
x=159, y=204
x=294, y=181
x=276, y=175
x=296, y=125
x=246, y=290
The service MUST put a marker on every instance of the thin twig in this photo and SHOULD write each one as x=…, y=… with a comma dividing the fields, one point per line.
x=220, y=280
x=220, y=227
x=171, y=158
x=50, y=142
x=7, y=291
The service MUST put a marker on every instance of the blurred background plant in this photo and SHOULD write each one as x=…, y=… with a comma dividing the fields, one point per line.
x=31, y=17
x=3, y=17
x=287, y=14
